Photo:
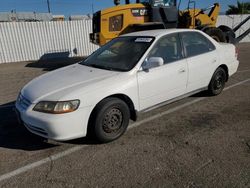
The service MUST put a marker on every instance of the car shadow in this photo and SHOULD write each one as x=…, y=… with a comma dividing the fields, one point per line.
x=52, y=63
x=13, y=135
x=202, y=94
x=83, y=141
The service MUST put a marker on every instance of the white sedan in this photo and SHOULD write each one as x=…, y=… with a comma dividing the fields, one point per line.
x=133, y=73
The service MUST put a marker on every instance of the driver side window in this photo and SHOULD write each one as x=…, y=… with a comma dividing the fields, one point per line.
x=168, y=48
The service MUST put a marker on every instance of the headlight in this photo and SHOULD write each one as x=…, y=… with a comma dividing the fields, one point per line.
x=58, y=107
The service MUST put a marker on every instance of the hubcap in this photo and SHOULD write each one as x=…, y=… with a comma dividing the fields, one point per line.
x=112, y=121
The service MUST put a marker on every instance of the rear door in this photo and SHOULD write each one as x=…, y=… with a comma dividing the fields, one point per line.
x=202, y=59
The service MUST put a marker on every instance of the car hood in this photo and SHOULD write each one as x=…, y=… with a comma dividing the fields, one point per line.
x=62, y=81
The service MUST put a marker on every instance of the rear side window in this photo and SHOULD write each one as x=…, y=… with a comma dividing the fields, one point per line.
x=196, y=44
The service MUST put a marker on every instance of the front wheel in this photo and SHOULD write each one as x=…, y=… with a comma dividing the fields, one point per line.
x=217, y=82
x=110, y=119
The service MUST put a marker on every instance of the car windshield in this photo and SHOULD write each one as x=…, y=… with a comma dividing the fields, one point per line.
x=120, y=54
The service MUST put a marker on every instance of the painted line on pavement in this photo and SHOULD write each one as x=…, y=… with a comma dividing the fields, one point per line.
x=77, y=148
x=248, y=70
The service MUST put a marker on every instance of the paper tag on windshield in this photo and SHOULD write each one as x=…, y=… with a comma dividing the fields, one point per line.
x=143, y=40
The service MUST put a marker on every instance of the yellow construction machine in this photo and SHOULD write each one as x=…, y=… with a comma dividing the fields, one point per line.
x=159, y=14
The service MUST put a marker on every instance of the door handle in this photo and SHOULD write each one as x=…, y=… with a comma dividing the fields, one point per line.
x=214, y=61
x=182, y=70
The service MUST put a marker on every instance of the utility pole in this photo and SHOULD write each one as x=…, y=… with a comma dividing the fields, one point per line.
x=243, y=4
x=48, y=3
x=92, y=7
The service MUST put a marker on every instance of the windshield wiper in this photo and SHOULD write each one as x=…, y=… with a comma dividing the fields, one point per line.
x=99, y=66
x=95, y=66
x=103, y=67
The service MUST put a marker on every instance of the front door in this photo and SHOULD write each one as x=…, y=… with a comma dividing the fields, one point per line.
x=165, y=82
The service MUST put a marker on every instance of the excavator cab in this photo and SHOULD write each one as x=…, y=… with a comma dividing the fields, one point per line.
x=163, y=11
x=142, y=15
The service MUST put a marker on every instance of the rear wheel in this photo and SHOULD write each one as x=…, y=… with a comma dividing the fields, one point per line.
x=217, y=82
x=216, y=34
x=110, y=119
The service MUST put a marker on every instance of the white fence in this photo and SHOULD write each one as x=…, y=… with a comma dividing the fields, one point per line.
x=234, y=20
x=26, y=41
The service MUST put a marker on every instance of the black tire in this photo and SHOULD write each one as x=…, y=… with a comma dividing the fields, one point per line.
x=217, y=82
x=216, y=34
x=109, y=120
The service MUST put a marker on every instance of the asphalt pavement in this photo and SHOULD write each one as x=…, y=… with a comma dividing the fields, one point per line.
x=199, y=141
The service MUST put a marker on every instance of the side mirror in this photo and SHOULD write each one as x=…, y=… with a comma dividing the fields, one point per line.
x=153, y=62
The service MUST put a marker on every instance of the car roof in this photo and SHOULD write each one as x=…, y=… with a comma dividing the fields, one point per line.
x=158, y=32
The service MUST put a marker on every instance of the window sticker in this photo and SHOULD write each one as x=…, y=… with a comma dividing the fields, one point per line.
x=143, y=39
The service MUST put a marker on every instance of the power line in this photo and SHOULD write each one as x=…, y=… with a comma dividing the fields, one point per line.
x=48, y=3
x=92, y=6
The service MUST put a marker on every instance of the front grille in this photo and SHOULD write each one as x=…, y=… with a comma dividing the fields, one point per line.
x=23, y=102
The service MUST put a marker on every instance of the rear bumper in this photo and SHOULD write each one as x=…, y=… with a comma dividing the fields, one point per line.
x=233, y=67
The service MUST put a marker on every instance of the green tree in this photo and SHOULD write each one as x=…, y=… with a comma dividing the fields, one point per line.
x=240, y=8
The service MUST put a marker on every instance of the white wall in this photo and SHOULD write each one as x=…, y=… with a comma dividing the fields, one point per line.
x=26, y=41
x=234, y=20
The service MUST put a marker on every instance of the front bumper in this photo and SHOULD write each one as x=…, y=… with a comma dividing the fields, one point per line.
x=60, y=127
